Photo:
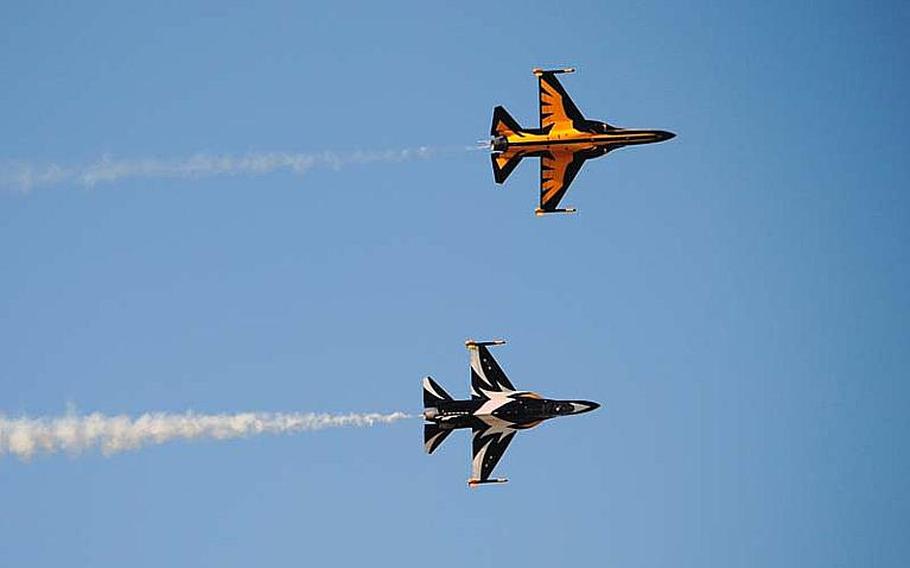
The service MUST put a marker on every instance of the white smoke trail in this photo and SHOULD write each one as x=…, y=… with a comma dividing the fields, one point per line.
x=25, y=177
x=25, y=437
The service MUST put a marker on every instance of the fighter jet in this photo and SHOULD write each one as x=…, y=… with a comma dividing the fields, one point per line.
x=495, y=412
x=564, y=140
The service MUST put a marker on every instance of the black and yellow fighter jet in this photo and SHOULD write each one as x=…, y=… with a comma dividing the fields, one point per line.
x=495, y=412
x=564, y=140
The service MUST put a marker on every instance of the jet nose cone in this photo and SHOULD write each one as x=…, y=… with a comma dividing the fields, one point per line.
x=664, y=135
x=580, y=406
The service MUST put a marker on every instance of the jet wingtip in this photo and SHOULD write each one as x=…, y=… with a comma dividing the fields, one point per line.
x=538, y=71
x=541, y=212
x=473, y=483
x=473, y=343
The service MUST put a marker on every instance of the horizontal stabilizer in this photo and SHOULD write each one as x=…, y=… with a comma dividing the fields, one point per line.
x=503, y=123
x=504, y=163
x=433, y=394
x=433, y=437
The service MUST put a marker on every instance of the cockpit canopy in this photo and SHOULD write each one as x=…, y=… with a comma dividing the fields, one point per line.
x=600, y=127
x=554, y=407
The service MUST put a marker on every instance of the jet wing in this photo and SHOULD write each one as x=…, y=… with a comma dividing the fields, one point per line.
x=486, y=374
x=558, y=168
x=491, y=440
x=556, y=106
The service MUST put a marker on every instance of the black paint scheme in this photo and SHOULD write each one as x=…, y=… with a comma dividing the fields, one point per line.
x=495, y=412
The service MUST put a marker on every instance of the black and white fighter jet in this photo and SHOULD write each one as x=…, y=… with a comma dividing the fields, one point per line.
x=495, y=412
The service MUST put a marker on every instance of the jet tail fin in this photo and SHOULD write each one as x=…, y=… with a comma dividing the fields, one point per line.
x=433, y=393
x=504, y=124
x=504, y=163
x=433, y=436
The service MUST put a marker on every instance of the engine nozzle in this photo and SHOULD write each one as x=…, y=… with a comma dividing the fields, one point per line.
x=499, y=144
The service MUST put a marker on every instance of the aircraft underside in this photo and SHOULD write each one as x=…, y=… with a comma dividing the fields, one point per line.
x=564, y=140
x=495, y=412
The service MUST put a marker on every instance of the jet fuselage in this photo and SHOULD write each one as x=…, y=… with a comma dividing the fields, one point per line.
x=564, y=141
x=518, y=409
x=611, y=137
x=495, y=412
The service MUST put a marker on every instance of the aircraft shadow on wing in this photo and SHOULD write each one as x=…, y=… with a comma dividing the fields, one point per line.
x=564, y=140
x=495, y=412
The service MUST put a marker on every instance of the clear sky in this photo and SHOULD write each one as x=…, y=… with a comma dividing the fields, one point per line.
x=736, y=298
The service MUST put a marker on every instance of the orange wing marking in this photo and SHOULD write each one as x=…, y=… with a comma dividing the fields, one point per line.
x=552, y=107
x=553, y=178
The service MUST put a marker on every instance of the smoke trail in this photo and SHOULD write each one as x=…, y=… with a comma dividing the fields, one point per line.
x=24, y=437
x=25, y=177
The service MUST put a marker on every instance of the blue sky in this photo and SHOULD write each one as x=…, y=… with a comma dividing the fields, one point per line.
x=736, y=298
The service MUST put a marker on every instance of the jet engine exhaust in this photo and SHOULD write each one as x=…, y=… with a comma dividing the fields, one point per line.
x=73, y=434
x=26, y=176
